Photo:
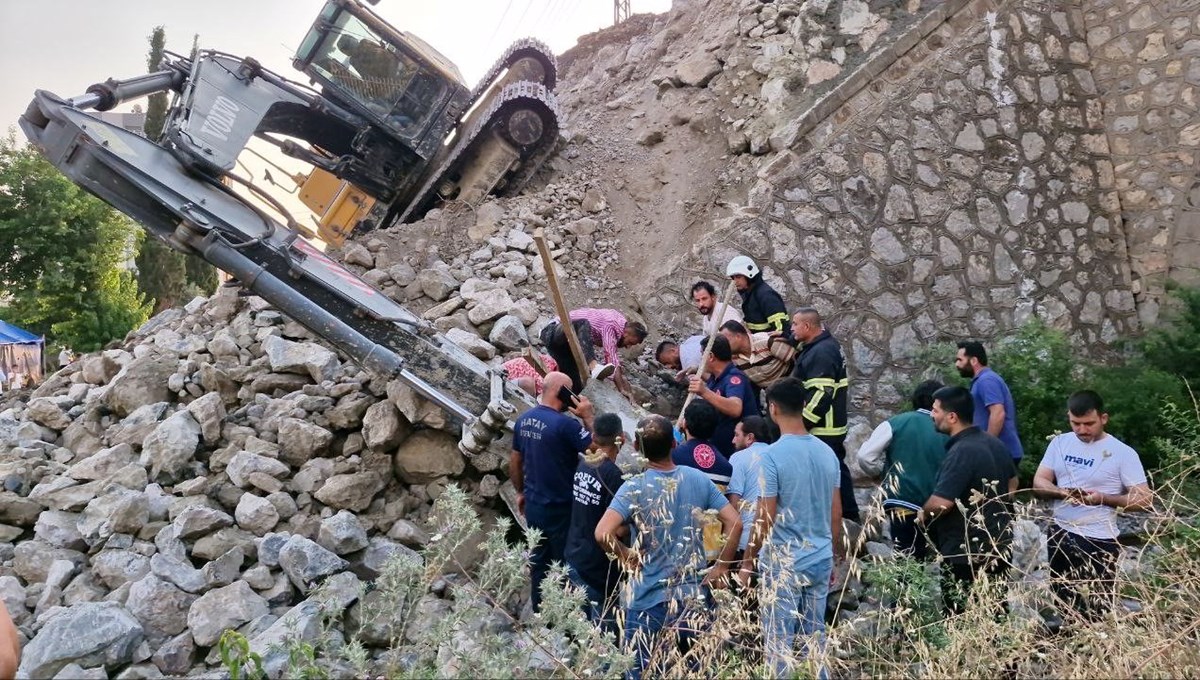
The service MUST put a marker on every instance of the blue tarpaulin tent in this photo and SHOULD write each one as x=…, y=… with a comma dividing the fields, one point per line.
x=21, y=353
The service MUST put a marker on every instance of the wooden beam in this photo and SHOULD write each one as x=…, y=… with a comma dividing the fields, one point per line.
x=535, y=361
x=564, y=316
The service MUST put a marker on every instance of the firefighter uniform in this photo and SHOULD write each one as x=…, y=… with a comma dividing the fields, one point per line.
x=821, y=366
x=763, y=310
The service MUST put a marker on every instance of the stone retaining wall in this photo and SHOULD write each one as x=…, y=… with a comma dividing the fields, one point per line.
x=966, y=189
x=1146, y=64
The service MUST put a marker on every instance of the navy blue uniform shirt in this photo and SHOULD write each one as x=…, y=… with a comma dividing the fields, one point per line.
x=732, y=383
x=549, y=443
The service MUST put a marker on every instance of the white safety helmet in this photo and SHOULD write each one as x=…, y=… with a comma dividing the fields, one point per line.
x=742, y=265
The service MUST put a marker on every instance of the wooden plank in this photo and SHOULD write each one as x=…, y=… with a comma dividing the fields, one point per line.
x=535, y=361
x=564, y=316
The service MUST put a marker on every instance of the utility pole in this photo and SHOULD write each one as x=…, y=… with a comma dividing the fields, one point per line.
x=620, y=11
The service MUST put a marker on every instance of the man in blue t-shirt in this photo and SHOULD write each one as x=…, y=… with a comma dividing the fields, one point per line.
x=546, y=448
x=698, y=450
x=597, y=479
x=995, y=412
x=664, y=508
x=728, y=389
x=752, y=436
x=797, y=530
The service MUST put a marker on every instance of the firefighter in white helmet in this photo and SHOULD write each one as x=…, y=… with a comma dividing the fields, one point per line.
x=762, y=306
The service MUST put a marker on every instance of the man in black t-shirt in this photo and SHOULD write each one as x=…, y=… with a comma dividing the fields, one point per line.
x=977, y=472
x=597, y=479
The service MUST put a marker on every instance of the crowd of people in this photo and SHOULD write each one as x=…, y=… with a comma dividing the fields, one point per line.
x=748, y=489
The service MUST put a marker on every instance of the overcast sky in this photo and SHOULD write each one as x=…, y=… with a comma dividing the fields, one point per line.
x=65, y=45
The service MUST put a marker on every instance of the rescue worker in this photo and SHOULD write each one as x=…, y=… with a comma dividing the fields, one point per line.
x=763, y=310
x=821, y=366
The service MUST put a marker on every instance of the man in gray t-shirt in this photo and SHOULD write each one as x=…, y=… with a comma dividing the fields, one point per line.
x=797, y=530
x=1089, y=474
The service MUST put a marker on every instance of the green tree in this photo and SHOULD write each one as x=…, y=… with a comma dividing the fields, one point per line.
x=168, y=277
x=156, y=105
x=65, y=252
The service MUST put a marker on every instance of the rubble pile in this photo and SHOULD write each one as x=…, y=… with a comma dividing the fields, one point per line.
x=206, y=476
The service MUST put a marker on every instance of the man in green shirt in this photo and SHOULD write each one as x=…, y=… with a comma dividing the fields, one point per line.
x=907, y=450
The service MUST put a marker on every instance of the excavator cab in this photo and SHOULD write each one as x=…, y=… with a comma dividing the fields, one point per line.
x=402, y=85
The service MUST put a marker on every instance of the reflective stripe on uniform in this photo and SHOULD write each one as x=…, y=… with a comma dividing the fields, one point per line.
x=821, y=385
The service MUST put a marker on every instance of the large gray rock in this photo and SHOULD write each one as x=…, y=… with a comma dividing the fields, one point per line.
x=115, y=568
x=508, y=334
x=174, y=657
x=472, y=343
x=160, y=607
x=98, y=369
x=120, y=511
x=171, y=446
x=428, y=455
x=416, y=409
x=301, y=623
x=350, y=491
x=178, y=572
x=348, y=413
x=136, y=426
x=383, y=428
x=342, y=533
x=200, y=520
x=300, y=440
x=490, y=305
x=32, y=559
x=697, y=70
x=224, y=570
x=371, y=562
x=45, y=412
x=243, y=464
x=222, y=609
x=60, y=529
x=209, y=412
x=143, y=381
x=305, y=562
x=286, y=356
x=90, y=634
x=436, y=284
x=256, y=514
x=102, y=464
x=222, y=541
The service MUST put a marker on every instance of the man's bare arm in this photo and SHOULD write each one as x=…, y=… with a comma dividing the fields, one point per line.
x=996, y=416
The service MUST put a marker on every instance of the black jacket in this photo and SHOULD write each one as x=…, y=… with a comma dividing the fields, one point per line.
x=822, y=368
x=763, y=310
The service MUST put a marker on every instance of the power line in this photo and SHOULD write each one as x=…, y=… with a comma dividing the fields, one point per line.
x=496, y=30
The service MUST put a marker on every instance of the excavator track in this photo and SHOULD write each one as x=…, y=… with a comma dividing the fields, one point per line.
x=521, y=95
x=524, y=48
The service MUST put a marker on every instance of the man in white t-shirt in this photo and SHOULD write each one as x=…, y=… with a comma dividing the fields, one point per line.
x=1088, y=474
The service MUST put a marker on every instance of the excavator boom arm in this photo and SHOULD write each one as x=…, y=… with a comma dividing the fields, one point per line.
x=196, y=214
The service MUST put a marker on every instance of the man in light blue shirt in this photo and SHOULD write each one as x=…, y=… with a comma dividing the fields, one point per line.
x=751, y=437
x=797, y=530
x=665, y=508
